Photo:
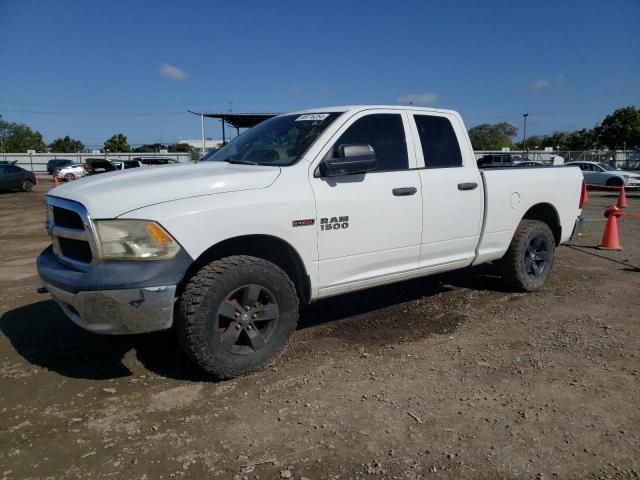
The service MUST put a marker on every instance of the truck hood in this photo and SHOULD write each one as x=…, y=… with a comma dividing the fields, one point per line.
x=109, y=195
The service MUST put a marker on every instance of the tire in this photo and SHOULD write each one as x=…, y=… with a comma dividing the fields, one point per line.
x=529, y=260
x=69, y=176
x=614, y=182
x=27, y=186
x=218, y=334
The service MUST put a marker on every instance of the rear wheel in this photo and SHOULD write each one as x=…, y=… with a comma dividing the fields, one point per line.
x=69, y=176
x=236, y=315
x=27, y=186
x=529, y=260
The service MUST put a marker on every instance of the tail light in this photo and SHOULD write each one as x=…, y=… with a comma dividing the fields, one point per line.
x=583, y=194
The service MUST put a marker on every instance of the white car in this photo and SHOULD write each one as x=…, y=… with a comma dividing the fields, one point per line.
x=603, y=174
x=70, y=172
x=301, y=207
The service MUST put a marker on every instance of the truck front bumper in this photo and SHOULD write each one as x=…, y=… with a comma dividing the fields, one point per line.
x=118, y=312
x=116, y=298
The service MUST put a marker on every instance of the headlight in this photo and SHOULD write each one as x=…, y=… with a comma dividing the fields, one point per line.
x=134, y=240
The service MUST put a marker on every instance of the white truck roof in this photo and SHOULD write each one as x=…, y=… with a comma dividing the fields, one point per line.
x=357, y=108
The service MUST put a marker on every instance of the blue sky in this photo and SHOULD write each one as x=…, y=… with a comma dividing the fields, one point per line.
x=93, y=68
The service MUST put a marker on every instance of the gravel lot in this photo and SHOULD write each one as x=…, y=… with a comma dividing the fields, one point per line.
x=444, y=377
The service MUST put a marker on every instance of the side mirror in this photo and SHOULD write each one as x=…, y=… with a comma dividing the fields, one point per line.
x=349, y=159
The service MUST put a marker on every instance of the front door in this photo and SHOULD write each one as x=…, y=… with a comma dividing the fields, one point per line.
x=369, y=224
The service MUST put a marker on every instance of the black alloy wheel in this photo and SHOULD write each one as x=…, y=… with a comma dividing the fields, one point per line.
x=529, y=260
x=536, y=256
x=247, y=318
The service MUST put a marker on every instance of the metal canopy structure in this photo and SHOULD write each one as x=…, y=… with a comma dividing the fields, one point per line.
x=240, y=120
x=236, y=120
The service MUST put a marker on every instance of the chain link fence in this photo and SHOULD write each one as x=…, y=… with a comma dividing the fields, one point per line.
x=623, y=159
x=37, y=162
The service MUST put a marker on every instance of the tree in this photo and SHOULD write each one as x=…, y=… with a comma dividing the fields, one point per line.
x=583, y=139
x=66, y=145
x=150, y=148
x=117, y=143
x=620, y=128
x=492, y=137
x=18, y=138
x=179, y=147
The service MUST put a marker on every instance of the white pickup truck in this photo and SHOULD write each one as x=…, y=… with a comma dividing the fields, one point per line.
x=301, y=207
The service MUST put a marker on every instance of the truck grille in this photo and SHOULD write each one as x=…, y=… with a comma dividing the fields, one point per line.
x=71, y=234
x=66, y=218
x=75, y=249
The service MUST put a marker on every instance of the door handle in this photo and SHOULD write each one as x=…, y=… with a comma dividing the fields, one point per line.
x=467, y=186
x=404, y=191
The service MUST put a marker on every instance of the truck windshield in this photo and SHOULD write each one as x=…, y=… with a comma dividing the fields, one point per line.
x=278, y=141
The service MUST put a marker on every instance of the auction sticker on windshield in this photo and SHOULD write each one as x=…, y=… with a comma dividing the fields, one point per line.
x=313, y=117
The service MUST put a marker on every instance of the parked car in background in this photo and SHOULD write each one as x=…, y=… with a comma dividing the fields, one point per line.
x=530, y=163
x=8, y=162
x=152, y=161
x=125, y=164
x=98, y=165
x=57, y=163
x=596, y=173
x=14, y=177
x=496, y=160
x=70, y=172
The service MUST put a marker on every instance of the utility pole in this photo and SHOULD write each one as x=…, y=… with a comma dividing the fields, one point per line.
x=524, y=136
x=202, y=132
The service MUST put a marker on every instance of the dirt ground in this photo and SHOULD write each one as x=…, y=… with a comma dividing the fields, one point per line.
x=444, y=377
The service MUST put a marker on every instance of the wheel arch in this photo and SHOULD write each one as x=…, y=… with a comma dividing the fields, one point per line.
x=615, y=179
x=547, y=213
x=267, y=247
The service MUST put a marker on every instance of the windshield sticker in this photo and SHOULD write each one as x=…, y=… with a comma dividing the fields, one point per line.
x=312, y=117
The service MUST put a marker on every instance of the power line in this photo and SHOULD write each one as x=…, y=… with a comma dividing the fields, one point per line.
x=185, y=104
x=90, y=114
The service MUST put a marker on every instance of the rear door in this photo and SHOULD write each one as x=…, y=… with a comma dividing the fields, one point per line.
x=369, y=224
x=452, y=191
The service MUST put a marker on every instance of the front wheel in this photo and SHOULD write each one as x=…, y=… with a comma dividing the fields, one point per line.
x=69, y=177
x=27, y=186
x=529, y=260
x=236, y=315
x=614, y=182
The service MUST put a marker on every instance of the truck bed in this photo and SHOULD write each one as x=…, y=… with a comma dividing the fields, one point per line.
x=511, y=192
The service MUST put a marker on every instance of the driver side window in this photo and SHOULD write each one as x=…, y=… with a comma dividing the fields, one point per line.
x=385, y=133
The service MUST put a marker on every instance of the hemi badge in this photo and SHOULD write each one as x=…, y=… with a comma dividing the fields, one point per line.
x=303, y=223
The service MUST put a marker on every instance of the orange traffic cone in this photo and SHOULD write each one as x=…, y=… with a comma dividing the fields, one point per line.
x=56, y=182
x=37, y=179
x=622, y=199
x=610, y=238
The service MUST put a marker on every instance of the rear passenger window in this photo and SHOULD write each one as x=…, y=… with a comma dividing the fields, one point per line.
x=385, y=133
x=439, y=143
